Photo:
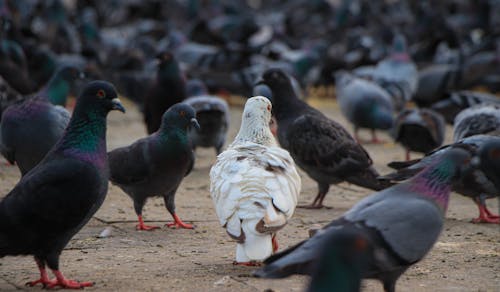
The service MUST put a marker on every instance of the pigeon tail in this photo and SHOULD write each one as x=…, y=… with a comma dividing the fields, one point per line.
x=369, y=179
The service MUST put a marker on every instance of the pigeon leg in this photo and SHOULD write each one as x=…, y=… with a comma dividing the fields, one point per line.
x=170, y=204
x=44, y=278
x=248, y=264
x=62, y=282
x=483, y=213
x=407, y=155
x=489, y=214
x=356, y=136
x=318, y=201
x=275, y=243
x=375, y=140
x=178, y=223
x=142, y=226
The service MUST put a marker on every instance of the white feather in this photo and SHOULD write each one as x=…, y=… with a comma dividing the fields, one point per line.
x=254, y=180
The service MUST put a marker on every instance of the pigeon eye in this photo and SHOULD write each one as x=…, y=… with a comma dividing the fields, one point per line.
x=268, y=108
x=101, y=93
x=182, y=113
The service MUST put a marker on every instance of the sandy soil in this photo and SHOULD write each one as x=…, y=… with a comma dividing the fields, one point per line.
x=466, y=258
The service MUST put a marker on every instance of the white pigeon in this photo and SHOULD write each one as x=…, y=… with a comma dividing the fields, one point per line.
x=254, y=185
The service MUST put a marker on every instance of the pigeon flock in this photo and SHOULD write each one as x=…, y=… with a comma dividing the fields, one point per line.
x=403, y=68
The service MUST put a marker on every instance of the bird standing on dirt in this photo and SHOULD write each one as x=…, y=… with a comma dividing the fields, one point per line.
x=475, y=184
x=212, y=113
x=419, y=130
x=402, y=224
x=364, y=104
x=319, y=145
x=155, y=165
x=254, y=185
x=167, y=89
x=29, y=129
x=57, y=198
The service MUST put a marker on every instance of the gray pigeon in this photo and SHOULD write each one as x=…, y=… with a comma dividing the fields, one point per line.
x=419, y=130
x=156, y=165
x=58, y=197
x=476, y=120
x=364, y=104
x=475, y=184
x=212, y=113
x=30, y=128
x=319, y=145
x=402, y=222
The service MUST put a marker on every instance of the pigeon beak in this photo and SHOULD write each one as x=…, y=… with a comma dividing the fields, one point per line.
x=81, y=75
x=117, y=105
x=194, y=123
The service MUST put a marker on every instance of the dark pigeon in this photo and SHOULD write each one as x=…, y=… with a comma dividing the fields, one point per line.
x=475, y=184
x=168, y=88
x=488, y=160
x=212, y=112
x=479, y=119
x=156, y=165
x=319, y=145
x=364, y=104
x=29, y=129
x=460, y=100
x=58, y=197
x=402, y=223
x=419, y=130
x=343, y=259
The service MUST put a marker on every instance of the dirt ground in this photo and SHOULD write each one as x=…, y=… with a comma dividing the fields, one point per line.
x=466, y=257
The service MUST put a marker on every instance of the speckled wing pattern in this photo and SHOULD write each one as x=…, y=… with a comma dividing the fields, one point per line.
x=315, y=141
x=248, y=173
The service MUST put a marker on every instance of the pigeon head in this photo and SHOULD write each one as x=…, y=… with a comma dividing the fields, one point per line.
x=275, y=78
x=255, y=122
x=180, y=115
x=98, y=97
x=59, y=86
x=279, y=83
x=167, y=65
x=343, y=259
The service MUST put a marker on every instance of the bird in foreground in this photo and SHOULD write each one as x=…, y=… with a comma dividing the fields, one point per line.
x=319, y=145
x=342, y=261
x=254, y=185
x=474, y=184
x=29, y=129
x=58, y=197
x=155, y=165
x=419, y=130
x=364, y=104
x=167, y=89
x=476, y=120
x=402, y=224
x=212, y=113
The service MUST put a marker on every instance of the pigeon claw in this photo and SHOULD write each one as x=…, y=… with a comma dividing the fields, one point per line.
x=178, y=223
x=142, y=226
x=486, y=219
x=45, y=282
x=146, y=227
